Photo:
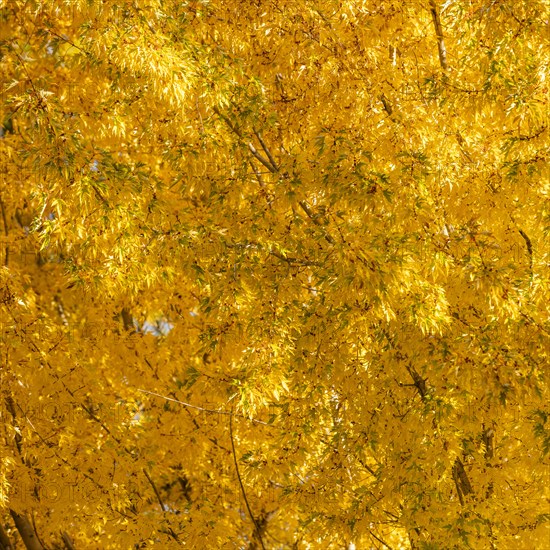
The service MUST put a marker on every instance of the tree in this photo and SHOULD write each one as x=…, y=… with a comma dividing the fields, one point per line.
x=275, y=274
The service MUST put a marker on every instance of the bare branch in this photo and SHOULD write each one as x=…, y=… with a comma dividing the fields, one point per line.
x=258, y=175
x=291, y=260
x=462, y=483
x=387, y=105
x=157, y=494
x=314, y=219
x=256, y=526
x=251, y=147
x=267, y=152
x=419, y=382
x=379, y=540
x=265, y=162
x=439, y=33
x=529, y=247
x=213, y=411
x=68, y=541
x=26, y=531
x=6, y=258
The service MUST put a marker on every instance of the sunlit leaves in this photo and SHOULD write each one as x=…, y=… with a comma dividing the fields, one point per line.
x=295, y=217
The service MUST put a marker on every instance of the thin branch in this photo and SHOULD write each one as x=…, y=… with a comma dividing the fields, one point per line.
x=291, y=260
x=531, y=320
x=529, y=247
x=170, y=532
x=380, y=540
x=157, y=494
x=267, y=152
x=36, y=531
x=6, y=259
x=94, y=417
x=462, y=144
x=258, y=176
x=213, y=411
x=314, y=219
x=265, y=162
x=10, y=404
x=532, y=136
x=100, y=196
x=262, y=184
x=256, y=526
x=68, y=541
x=228, y=122
x=387, y=105
x=419, y=382
x=270, y=164
x=439, y=33
x=367, y=467
x=251, y=147
x=67, y=40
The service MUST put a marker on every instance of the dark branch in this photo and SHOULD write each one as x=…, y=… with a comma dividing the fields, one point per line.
x=462, y=483
x=529, y=247
x=30, y=540
x=267, y=152
x=154, y=487
x=256, y=526
x=439, y=33
x=314, y=219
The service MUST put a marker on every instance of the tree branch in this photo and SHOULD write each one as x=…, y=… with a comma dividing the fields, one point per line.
x=6, y=258
x=529, y=247
x=439, y=33
x=67, y=541
x=291, y=260
x=462, y=483
x=213, y=411
x=419, y=382
x=267, y=152
x=251, y=147
x=157, y=494
x=30, y=540
x=304, y=206
x=262, y=184
x=379, y=540
x=5, y=543
x=256, y=526
x=260, y=158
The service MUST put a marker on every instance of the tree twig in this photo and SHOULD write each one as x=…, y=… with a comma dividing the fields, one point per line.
x=157, y=494
x=6, y=259
x=419, y=382
x=267, y=152
x=291, y=260
x=213, y=411
x=529, y=247
x=304, y=206
x=380, y=540
x=255, y=523
x=262, y=184
x=250, y=146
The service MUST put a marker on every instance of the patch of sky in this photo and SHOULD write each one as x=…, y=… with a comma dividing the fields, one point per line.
x=157, y=328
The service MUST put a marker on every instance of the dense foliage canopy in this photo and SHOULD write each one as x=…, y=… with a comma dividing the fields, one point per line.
x=274, y=274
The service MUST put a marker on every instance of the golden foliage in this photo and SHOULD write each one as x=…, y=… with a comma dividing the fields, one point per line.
x=274, y=274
